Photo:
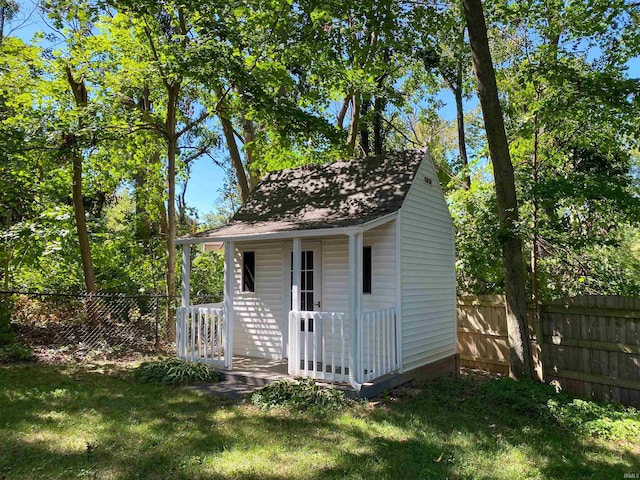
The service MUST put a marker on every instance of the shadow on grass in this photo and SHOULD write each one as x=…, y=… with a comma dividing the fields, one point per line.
x=64, y=422
x=450, y=432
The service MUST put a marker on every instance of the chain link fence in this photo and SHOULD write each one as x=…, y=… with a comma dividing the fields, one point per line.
x=98, y=325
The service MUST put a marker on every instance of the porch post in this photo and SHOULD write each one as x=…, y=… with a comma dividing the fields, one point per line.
x=186, y=273
x=355, y=297
x=295, y=281
x=228, y=304
x=398, y=325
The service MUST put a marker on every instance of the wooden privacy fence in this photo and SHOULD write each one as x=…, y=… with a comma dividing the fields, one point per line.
x=590, y=344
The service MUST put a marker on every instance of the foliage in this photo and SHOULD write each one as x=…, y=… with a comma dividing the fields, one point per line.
x=300, y=394
x=172, y=371
x=607, y=420
x=522, y=396
x=207, y=277
x=6, y=309
x=15, y=352
x=280, y=73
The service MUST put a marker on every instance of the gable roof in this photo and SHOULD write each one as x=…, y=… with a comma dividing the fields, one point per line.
x=332, y=195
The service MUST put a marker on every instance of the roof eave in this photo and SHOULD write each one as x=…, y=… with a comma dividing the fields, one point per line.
x=283, y=235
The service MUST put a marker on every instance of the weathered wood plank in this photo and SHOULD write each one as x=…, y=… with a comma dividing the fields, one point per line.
x=600, y=311
x=592, y=344
x=596, y=379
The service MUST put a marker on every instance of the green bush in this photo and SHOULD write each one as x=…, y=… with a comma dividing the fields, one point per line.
x=608, y=420
x=15, y=352
x=522, y=396
x=172, y=371
x=6, y=309
x=300, y=394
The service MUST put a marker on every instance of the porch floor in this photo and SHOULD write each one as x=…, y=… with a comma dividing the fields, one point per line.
x=255, y=371
x=260, y=371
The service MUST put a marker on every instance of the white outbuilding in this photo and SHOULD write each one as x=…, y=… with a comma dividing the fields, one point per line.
x=343, y=272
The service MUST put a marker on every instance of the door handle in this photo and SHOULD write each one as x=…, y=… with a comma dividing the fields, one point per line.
x=317, y=304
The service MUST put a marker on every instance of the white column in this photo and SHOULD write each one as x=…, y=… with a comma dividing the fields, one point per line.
x=398, y=325
x=295, y=281
x=355, y=296
x=228, y=303
x=186, y=273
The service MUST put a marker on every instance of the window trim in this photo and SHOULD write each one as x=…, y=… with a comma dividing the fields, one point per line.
x=364, y=283
x=244, y=266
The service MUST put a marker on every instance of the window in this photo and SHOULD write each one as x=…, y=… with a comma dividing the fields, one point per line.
x=366, y=269
x=248, y=271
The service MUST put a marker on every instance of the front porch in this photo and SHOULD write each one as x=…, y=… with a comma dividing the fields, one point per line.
x=274, y=289
x=319, y=345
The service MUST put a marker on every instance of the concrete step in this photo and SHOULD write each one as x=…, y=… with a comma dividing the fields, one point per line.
x=382, y=384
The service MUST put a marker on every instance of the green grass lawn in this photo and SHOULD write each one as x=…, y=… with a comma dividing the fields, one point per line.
x=95, y=421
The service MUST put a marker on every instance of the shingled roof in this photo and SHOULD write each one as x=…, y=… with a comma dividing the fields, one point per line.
x=339, y=194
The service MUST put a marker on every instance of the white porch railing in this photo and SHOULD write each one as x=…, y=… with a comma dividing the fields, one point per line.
x=377, y=343
x=201, y=334
x=319, y=345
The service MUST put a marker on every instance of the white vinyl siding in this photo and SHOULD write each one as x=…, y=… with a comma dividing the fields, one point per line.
x=382, y=240
x=335, y=274
x=427, y=272
x=258, y=315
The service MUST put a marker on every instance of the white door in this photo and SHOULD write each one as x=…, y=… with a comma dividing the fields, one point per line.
x=310, y=289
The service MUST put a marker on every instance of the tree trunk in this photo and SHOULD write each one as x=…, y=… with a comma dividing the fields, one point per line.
x=81, y=224
x=7, y=255
x=249, y=132
x=355, y=121
x=520, y=351
x=364, y=128
x=173, y=92
x=343, y=111
x=462, y=144
x=378, y=132
x=236, y=160
x=79, y=91
x=535, y=255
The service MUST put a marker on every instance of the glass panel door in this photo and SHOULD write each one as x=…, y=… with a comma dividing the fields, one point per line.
x=309, y=298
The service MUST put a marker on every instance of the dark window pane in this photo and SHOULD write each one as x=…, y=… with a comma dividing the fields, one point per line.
x=302, y=325
x=303, y=263
x=303, y=303
x=309, y=276
x=310, y=260
x=309, y=296
x=248, y=271
x=366, y=270
x=303, y=283
x=310, y=325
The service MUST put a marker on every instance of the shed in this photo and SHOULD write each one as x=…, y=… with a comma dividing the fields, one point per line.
x=345, y=272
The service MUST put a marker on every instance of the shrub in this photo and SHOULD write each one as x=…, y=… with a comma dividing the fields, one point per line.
x=6, y=309
x=523, y=396
x=15, y=352
x=300, y=394
x=173, y=371
x=606, y=420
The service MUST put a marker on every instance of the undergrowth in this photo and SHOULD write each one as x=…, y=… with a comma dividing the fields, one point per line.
x=173, y=371
x=607, y=420
x=15, y=352
x=300, y=394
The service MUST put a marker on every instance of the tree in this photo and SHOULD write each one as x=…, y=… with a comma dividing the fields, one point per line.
x=448, y=54
x=506, y=200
